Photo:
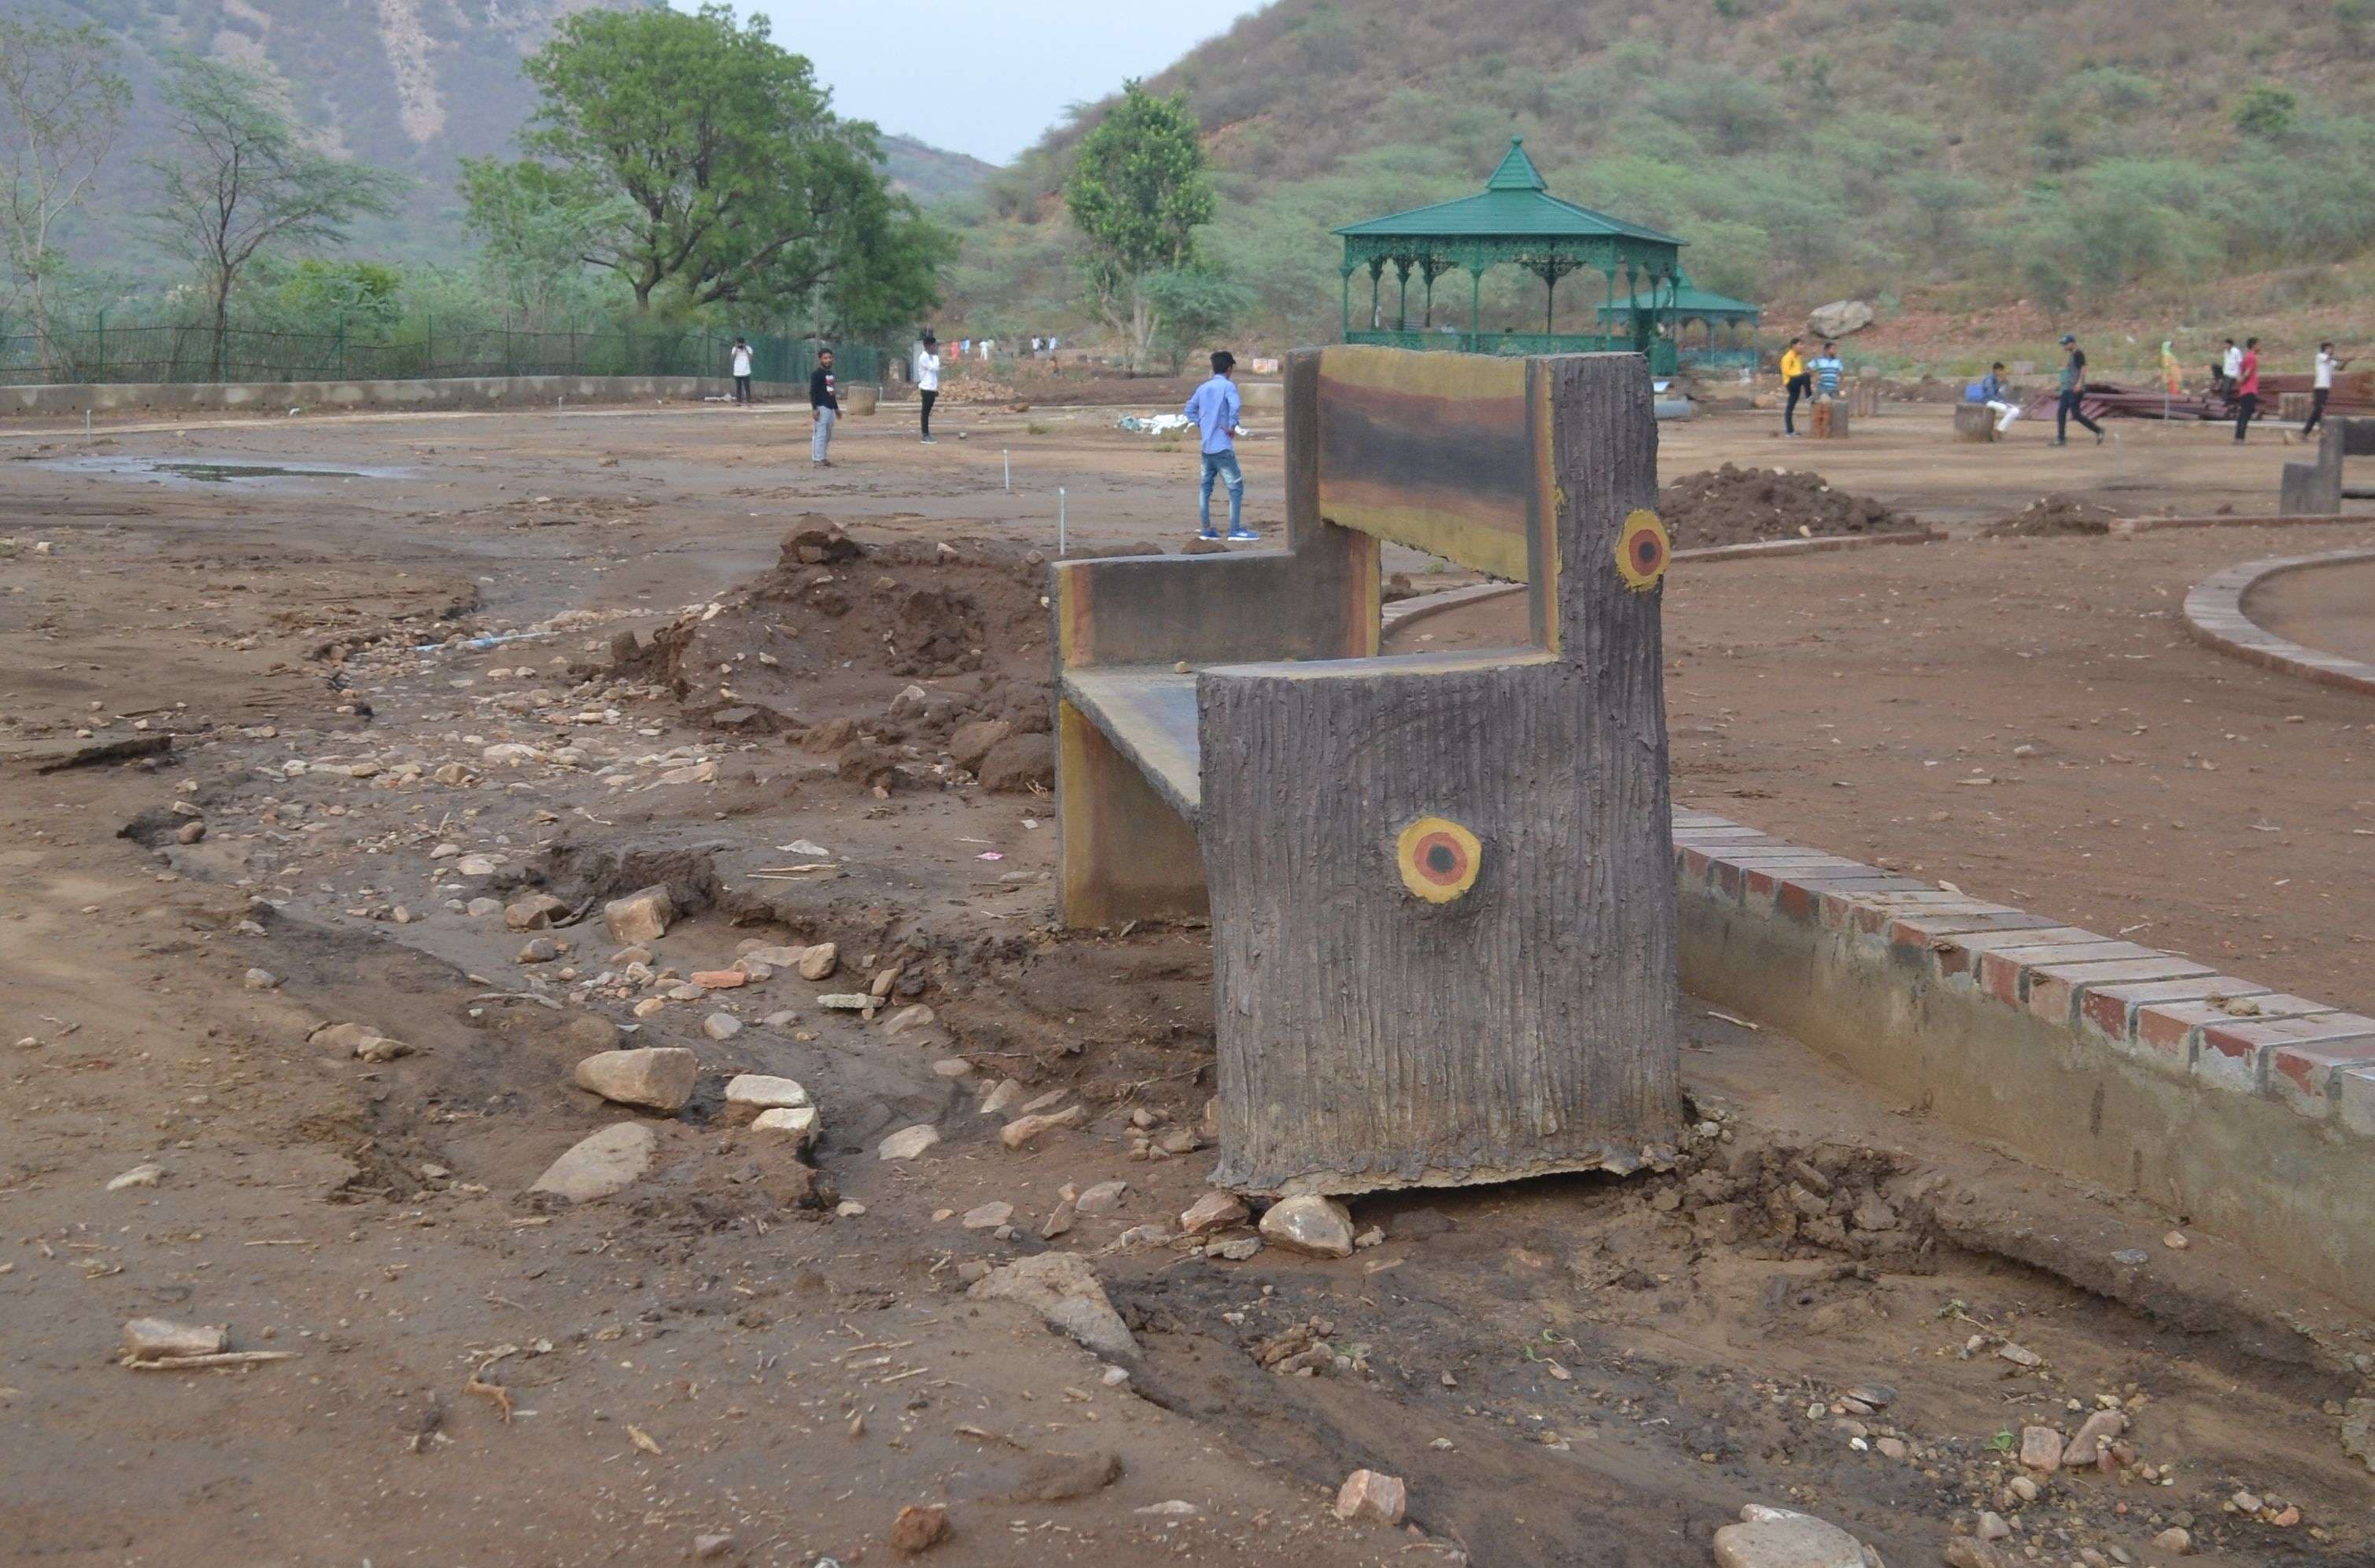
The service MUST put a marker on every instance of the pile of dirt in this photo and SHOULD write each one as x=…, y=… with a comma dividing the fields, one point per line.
x=2052, y=516
x=1733, y=505
x=893, y=659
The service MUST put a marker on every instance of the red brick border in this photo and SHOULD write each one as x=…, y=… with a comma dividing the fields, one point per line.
x=2163, y=1008
x=2214, y=615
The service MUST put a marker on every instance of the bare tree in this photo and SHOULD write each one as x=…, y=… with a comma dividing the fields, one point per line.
x=239, y=177
x=61, y=106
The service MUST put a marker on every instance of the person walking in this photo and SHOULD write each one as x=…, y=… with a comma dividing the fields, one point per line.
x=2322, y=384
x=1998, y=397
x=2073, y=386
x=825, y=410
x=1795, y=384
x=741, y=364
x=2246, y=388
x=927, y=381
x=1214, y=408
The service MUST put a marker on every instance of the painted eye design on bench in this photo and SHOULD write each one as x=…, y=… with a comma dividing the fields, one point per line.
x=1439, y=858
x=1642, y=548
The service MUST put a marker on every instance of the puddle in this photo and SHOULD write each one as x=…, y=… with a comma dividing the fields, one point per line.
x=212, y=471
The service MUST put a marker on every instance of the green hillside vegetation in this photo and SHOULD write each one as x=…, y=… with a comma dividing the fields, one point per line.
x=1965, y=152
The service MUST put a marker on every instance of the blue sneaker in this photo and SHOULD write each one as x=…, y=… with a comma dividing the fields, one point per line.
x=1209, y=536
x=1240, y=535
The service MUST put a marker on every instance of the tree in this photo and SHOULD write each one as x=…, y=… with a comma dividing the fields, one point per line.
x=62, y=105
x=2265, y=111
x=1196, y=305
x=238, y=178
x=736, y=183
x=1138, y=192
x=534, y=224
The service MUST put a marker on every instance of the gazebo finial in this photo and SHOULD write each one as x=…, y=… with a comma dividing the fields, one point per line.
x=1516, y=172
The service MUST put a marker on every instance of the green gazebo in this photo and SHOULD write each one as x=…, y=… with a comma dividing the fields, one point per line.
x=1709, y=311
x=1515, y=220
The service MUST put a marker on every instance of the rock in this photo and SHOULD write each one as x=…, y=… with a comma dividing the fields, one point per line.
x=261, y=980
x=988, y=1216
x=476, y=866
x=1060, y=1220
x=1213, y=1211
x=1002, y=1098
x=1022, y=1129
x=1367, y=1494
x=189, y=832
x=1174, y=1508
x=1839, y=318
x=1318, y=1227
x=2175, y=1241
x=798, y=1121
x=658, y=1075
x=1018, y=763
x=1963, y=1552
x=1892, y=1447
x=380, y=1049
x=975, y=741
x=850, y=1208
x=951, y=1066
x=1063, y=1289
x=643, y=916
x=538, y=950
x=1778, y=1537
x=2176, y=1541
x=2040, y=1448
x=1236, y=1249
x=138, y=1176
x=602, y=1163
x=1991, y=1526
x=1102, y=1198
x=908, y=1142
x=360, y=1041
x=2359, y=1430
x=1060, y=1477
x=721, y=979
x=2025, y=1488
x=919, y=1527
x=766, y=956
x=536, y=911
x=721, y=1027
x=708, y=1546
x=2247, y=1502
x=1879, y=1396
x=747, y=1094
x=2097, y=1430
x=819, y=961
x=846, y=1001
x=907, y=1019
x=479, y=909
x=2019, y=1355
x=147, y=1338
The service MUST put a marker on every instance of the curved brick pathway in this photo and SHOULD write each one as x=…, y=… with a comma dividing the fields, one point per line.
x=2214, y=614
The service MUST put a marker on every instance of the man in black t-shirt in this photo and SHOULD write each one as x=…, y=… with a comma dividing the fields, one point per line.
x=2073, y=386
x=824, y=409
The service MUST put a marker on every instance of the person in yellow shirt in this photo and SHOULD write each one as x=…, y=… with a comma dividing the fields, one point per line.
x=1794, y=382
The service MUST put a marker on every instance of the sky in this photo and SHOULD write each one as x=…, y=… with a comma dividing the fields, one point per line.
x=983, y=77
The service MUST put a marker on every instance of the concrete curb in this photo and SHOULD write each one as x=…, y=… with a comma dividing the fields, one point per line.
x=462, y=392
x=1428, y=605
x=2147, y=1073
x=2228, y=520
x=2214, y=615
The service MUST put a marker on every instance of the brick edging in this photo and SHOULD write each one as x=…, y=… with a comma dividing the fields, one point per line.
x=1428, y=605
x=2233, y=520
x=2111, y=995
x=2214, y=615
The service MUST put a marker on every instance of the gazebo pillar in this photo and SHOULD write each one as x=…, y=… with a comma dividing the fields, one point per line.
x=1475, y=302
x=1401, y=311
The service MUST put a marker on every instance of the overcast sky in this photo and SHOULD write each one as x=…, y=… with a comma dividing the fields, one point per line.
x=983, y=77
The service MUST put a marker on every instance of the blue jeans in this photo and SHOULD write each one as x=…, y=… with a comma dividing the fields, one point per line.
x=1223, y=465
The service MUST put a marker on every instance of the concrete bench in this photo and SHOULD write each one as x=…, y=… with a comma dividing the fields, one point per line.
x=1974, y=421
x=1439, y=885
x=2315, y=489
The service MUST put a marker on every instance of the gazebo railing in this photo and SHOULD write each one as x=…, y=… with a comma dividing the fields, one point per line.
x=1519, y=344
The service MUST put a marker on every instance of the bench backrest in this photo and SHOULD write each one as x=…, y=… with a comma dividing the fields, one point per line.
x=1460, y=456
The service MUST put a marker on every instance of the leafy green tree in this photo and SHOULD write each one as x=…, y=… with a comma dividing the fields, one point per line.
x=1138, y=192
x=737, y=183
x=237, y=177
x=1196, y=305
x=534, y=224
x=321, y=294
x=62, y=105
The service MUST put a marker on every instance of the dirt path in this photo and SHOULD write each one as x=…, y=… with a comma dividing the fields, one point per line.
x=1584, y=1371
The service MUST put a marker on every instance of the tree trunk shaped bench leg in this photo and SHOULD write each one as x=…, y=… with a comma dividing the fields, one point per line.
x=1127, y=855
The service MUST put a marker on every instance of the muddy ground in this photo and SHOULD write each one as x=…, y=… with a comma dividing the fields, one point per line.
x=1578, y=1371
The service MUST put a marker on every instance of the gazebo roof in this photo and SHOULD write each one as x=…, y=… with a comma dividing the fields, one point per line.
x=1514, y=204
x=1695, y=302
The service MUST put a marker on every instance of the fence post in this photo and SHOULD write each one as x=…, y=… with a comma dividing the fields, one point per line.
x=342, y=344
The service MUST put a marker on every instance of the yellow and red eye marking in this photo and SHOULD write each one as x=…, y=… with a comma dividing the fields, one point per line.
x=1642, y=550
x=1439, y=858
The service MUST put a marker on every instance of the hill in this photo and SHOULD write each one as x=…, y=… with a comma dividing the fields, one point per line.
x=1969, y=153
x=410, y=85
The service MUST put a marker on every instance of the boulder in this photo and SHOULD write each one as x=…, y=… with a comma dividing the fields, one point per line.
x=817, y=962
x=800, y=1121
x=1019, y=762
x=1062, y=1288
x=1318, y=1227
x=1213, y=1211
x=658, y=1075
x=908, y=1142
x=536, y=911
x=1367, y=1494
x=1839, y=318
x=603, y=1163
x=747, y=1094
x=1778, y=1537
x=640, y=917
x=975, y=741
x=919, y=1527
x=1102, y=1198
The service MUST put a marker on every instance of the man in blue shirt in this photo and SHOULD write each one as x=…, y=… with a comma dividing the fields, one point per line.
x=1214, y=408
x=1827, y=368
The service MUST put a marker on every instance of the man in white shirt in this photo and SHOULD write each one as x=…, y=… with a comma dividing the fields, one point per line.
x=2321, y=385
x=927, y=381
x=2230, y=368
x=741, y=369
